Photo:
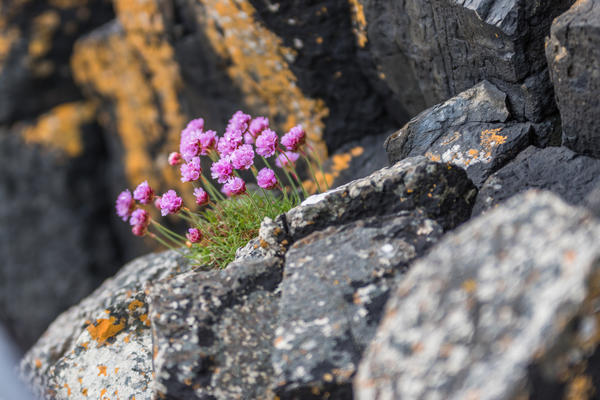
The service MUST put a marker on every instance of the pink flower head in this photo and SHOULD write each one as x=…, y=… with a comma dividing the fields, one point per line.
x=266, y=143
x=189, y=147
x=191, y=171
x=238, y=122
x=248, y=138
x=286, y=159
x=231, y=140
x=124, y=204
x=139, y=217
x=175, y=158
x=139, y=230
x=157, y=202
x=143, y=193
x=242, y=157
x=294, y=138
x=201, y=196
x=221, y=170
x=170, y=203
x=234, y=186
x=266, y=178
x=207, y=141
x=258, y=125
x=194, y=235
x=196, y=124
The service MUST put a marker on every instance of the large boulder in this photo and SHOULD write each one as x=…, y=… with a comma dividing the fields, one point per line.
x=473, y=130
x=573, y=52
x=429, y=50
x=504, y=307
x=558, y=169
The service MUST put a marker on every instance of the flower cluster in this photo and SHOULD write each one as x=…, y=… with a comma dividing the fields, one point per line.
x=245, y=147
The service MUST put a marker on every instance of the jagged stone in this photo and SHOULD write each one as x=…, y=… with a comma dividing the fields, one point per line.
x=472, y=130
x=103, y=345
x=429, y=50
x=573, y=52
x=504, y=307
x=213, y=331
x=558, y=169
x=335, y=284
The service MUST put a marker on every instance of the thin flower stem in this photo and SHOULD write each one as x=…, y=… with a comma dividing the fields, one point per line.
x=159, y=240
x=285, y=195
x=292, y=166
x=312, y=172
x=318, y=160
x=174, y=237
x=267, y=197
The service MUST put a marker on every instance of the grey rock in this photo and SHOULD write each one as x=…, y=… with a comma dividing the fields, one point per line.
x=102, y=345
x=558, y=169
x=504, y=307
x=443, y=192
x=213, y=331
x=471, y=130
x=335, y=284
x=573, y=52
x=429, y=50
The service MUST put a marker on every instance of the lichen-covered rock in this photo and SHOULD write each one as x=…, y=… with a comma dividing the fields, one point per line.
x=429, y=50
x=335, y=284
x=573, y=52
x=472, y=130
x=102, y=346
x=213, y=331
x=558, y=169
x=504, y=307
x=443, y=192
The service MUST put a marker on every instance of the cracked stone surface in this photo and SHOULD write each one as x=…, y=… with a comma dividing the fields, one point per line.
x=506, y=306
x=472, y=130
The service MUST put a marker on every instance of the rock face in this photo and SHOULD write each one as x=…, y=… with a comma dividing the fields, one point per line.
x=473, y=130
x=429, y=50
x=244, y=331
x=503, y=308
x=557, y=169
x=573, y=53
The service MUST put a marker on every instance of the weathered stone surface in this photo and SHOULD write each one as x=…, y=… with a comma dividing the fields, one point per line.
x=213, y=331
x=504, y=307
x=558, y=169
x=429, y=50
x=573, y=52
x=443, y=192
x=472, y=130
x=102, y=345
x=335, y=284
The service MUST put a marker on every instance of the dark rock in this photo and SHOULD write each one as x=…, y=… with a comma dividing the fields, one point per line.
x=428, y=51
x=558, y=169
x=335, y=284
x=103, y=344
x=213, y=331
x=573, y=52
x=472, y=130
x=504, y=307
x=34, y=72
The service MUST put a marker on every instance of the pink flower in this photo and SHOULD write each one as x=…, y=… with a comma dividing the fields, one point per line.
x=196, y=124
x=194, y=235
x=188, y=147
x=286, y=159
x=207, y=140
x=266, y=178
x=234, y=186
x=175, y=158
x=143, y=193
x=201, y=196
x=248, y=138
x=294, y=138
x=170, y=203
x=238, y=122
x=157, y=202
x=139, y=230
x=242, y=157
x=258, y=125
x=221, y=170
x=191, y=171
x=139, y=217
x=124, y=204
x=266, y=143
x=231, y=140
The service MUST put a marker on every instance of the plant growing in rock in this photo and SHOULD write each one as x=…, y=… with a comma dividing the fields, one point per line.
x=224, y=219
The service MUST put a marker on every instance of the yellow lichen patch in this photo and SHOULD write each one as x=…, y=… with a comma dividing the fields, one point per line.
x=102, y=370
x=469, y=285
x=84, y=392
x=490, y=138
x=66, y=386
x=68, y=3
x=359, y=21
x=259, y=66
x=38, y=363
x=7, y=38
x=357, y=151
x=433, y=157
x=134, y=305
x=581, y=388
x=42, y=31
x=60, y=128
x=105, y=328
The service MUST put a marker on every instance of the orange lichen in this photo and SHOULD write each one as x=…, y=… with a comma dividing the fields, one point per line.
x=102, y=370
x=43, y=27
x=359, y=21
x=433, y=157
x=84, y=392
x=38, y=363
x=8, y=37
x=85, y=345
x=105, y=328
x=490, y=138
x=469, y=285
x=66, y=386
x=134, y=305
x=339, y=163
x=581, y=388
x=61, y=128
